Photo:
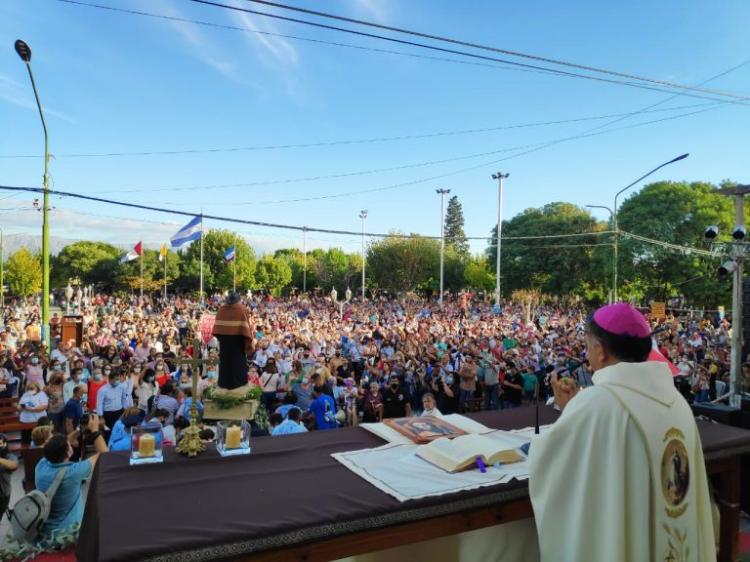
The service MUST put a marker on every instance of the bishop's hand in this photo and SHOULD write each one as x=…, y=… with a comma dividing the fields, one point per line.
x=564, y=389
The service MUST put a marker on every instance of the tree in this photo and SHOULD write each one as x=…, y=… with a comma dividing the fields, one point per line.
x=335, y=268
x=23, y=272
x=528, y=298
x=478, y=276
x=273, y=274
x=217, y=273
x=90, y=262
x=557, y=266
x=402, y=264
x=454, y=227
x=295, y=259
x=128, y=274
x=677, y=213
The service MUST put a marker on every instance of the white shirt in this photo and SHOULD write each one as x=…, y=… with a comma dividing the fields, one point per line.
x=34, y=401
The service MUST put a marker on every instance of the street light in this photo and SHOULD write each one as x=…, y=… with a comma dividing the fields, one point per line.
x=499, y=177
x=614, y=257
x=24, y=51
x=363, y=216
x=442, y=193
x=614, y=215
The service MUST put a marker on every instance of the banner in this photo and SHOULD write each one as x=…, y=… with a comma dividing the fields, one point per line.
x=207, y=327
x=658, y=310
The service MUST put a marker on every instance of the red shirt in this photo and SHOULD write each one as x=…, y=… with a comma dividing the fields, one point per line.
x=94, y=387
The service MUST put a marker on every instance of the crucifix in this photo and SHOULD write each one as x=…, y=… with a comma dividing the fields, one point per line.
x=190, y=444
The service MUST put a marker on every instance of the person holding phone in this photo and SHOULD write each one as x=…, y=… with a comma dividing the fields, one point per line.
x=32, y=406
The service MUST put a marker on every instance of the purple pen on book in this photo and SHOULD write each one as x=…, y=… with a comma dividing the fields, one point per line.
x=480, y=465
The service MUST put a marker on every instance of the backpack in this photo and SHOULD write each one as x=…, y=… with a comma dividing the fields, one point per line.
x=32, y=511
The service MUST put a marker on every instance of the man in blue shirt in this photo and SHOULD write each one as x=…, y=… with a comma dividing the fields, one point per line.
x=66, y=509
x=324, y=409
x=111, y=400
x=73, y=410
x=291, y=424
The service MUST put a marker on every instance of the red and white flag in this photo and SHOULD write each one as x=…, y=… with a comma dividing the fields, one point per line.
x=133, y=254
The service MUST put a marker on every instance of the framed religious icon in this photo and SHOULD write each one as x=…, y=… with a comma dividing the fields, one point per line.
x=424, y=429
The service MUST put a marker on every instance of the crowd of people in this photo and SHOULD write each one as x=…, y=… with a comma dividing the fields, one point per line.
x=318, y=367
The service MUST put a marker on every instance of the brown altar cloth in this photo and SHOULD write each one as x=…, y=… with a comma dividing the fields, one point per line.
x=288, y=491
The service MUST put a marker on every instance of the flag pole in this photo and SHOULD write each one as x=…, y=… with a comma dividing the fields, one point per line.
x=201, y=287
x=141, y=243
x=234, y=266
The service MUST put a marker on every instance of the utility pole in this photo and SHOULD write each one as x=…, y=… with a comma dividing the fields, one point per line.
x=737, y=251
x=499, y=177
x=442, y=193
x=2, y=275
x=24, y=51
x=304, y=259
x=363, y=216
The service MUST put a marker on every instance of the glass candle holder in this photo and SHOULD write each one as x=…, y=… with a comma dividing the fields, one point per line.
x=146, y=444
x=233, y=438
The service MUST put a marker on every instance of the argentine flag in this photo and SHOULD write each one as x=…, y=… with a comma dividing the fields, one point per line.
x=229, y=254
x=191, y=231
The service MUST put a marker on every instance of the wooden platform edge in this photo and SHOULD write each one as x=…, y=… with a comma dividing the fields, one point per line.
x=405, y=533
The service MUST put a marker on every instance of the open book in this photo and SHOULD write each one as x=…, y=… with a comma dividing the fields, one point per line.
x=461, y=453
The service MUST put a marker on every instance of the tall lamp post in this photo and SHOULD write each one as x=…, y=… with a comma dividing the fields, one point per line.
x=24, y=51
x=499, y=177
x=614, y=256
x=614, y=216
x=442, y=193
x=363, y=216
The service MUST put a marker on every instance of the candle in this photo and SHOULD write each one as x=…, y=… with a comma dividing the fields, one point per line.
x=233, y=437
x=146, y=445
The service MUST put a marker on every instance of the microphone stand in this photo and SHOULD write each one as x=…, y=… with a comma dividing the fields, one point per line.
x=536, y=407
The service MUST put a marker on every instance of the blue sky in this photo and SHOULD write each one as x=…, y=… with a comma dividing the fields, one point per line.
x=112, y=82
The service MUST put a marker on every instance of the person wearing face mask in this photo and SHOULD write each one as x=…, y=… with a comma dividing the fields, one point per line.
x=34, y=371
x=212, y=376
x=396, y=400
x=95, y=383
x=75, y=380
x=146, y=391
x=446, y=387
x=32, y=406
x=111, y=400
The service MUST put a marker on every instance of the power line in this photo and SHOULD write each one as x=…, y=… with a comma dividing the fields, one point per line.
x=296, y=37
x=235, y=220
x=357, y=141
x=734, y=97
x=531, y=148
x=485, y=47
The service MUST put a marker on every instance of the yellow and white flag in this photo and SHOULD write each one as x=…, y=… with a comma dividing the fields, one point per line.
x=163, y=252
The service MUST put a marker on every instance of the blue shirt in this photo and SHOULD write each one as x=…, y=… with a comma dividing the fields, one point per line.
x=324, y=409
x=287, y=427
x=67, y=505
x=284, y=410
x=111, y=398
x=119, y=440
x=73, y=411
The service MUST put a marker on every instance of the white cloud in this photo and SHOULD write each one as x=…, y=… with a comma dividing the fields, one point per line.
x=377, y=9
x=279, y=49
x=22, y=95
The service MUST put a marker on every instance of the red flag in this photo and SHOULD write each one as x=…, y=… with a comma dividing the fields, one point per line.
x=134, y=254
x=139, y=248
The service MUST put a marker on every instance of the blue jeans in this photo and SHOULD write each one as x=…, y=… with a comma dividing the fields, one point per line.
x=491, y=397
x=509, y=404
x=463, y=396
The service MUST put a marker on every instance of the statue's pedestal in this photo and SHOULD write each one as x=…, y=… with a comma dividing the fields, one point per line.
x=244, y=411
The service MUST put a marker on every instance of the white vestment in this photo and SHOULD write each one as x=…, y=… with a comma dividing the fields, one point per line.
x=620, y=476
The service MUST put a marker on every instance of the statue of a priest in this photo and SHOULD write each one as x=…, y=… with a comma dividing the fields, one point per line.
x=232, y=329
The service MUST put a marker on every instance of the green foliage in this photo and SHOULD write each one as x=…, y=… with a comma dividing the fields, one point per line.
x=555, y=266
x=90, y=262
x=676, y=212
x=335, y=269
x=273, y=274
x=227, y=401
x=128, y=275
x=217, y=273
x=478, y=276
x=403, y=263
x=454, y=227
x=23, y=273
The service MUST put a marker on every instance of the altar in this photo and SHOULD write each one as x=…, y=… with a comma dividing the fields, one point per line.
x=290, y=500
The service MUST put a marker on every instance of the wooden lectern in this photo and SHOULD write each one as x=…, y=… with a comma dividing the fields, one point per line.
x=72, y=328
